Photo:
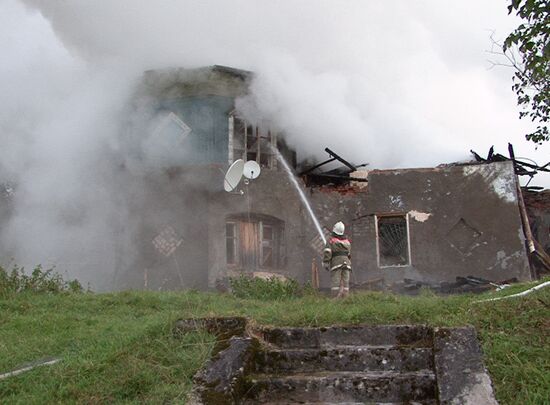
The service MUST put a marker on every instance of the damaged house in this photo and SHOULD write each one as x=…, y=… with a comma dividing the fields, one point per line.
x=429, y=225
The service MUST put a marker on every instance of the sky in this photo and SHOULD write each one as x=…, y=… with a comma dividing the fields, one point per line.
x=397, y=83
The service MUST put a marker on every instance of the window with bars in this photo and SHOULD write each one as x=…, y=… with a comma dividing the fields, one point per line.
x=254, y=243
x=392, y=240
x=250, y=142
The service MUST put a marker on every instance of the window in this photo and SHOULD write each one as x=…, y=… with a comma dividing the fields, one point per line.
x=392, y=238
x=172, y=127
x=267, y=244
x=249, y=142
x=231, y=242
x=165, y=145
x=255, y=243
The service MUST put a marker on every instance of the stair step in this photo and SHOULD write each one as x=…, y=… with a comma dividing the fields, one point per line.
x=424, y=402
x=386, y=335
x=343, y=386
x=346, y=358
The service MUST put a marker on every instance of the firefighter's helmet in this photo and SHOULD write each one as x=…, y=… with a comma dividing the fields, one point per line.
x=339, y=228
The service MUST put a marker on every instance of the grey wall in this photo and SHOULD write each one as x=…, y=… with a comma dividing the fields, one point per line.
x=435, y=200
x=272, y=194
x=463, y=220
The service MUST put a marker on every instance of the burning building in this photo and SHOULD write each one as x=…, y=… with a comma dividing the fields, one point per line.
x=180, y=229
x=429, y=225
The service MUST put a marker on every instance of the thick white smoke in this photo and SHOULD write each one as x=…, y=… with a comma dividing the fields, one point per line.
x=391, y=83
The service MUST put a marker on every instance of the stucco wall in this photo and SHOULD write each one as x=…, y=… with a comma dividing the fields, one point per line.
x=463, y=220
x=166, y=202
x=272, y=194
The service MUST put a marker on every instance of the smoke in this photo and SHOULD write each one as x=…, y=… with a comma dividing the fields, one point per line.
x=393, y=84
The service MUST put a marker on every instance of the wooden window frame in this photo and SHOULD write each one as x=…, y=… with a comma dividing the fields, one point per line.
x=235, y=239
x=256, y=135
x=276, y=243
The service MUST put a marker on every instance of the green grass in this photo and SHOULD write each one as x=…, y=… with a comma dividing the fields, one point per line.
x=118, y=348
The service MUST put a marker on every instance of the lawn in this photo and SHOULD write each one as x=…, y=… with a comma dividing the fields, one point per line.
x=118, y=347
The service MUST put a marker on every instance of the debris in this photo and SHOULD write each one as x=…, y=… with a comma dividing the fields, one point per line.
x=30, y=366
x=469, y=284
x=336, y=176
x=521, y=167
x=314, y=274
x=376, y=284
x=480, y=281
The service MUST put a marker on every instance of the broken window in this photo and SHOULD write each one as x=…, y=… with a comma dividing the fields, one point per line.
x=393, y=240
x=250, y=142
x=255, y=243
x=172, y=127
x=165, y=145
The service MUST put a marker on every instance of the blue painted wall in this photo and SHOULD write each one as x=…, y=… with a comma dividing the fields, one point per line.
x=208, y=118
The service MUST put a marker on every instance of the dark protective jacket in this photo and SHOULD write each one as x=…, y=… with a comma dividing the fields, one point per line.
x=337, y=253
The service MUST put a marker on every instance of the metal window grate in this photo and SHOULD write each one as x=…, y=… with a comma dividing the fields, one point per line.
x=393, y=241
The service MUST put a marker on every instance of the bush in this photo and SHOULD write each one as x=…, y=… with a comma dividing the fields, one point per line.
x=272, y=288
x=41, y=281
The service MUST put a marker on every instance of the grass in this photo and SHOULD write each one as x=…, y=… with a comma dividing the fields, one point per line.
x=118, y=347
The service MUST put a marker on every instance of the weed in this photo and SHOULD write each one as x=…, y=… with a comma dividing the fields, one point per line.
x=264, y=289
x=41, y=281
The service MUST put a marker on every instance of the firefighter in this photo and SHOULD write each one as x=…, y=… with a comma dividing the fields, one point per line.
x=337, y=260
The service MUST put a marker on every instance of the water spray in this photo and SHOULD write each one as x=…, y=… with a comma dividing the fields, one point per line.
x=301, y=193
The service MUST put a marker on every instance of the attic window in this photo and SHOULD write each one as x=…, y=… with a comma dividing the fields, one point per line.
x=392, y=237
x=250, y=142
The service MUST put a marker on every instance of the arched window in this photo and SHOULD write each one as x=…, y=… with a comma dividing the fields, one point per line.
x=255, y=242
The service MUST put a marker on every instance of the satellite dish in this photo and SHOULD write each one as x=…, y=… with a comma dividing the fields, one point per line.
x=251, y=170
x=234, y=175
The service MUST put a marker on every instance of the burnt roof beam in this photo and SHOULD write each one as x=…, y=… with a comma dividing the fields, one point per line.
x=345, y=162
x=317, y=166
x=335, y=176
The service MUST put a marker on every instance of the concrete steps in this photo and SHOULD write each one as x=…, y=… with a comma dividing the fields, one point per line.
x=344, y=386
x=428, y=402
x=347, y=358
x=385, y=335
x=344, y=365
x=339, y=365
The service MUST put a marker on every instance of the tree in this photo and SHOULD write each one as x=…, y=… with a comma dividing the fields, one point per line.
x=531, y=79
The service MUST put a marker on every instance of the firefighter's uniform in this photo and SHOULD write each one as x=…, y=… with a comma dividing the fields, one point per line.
x=337, y=259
